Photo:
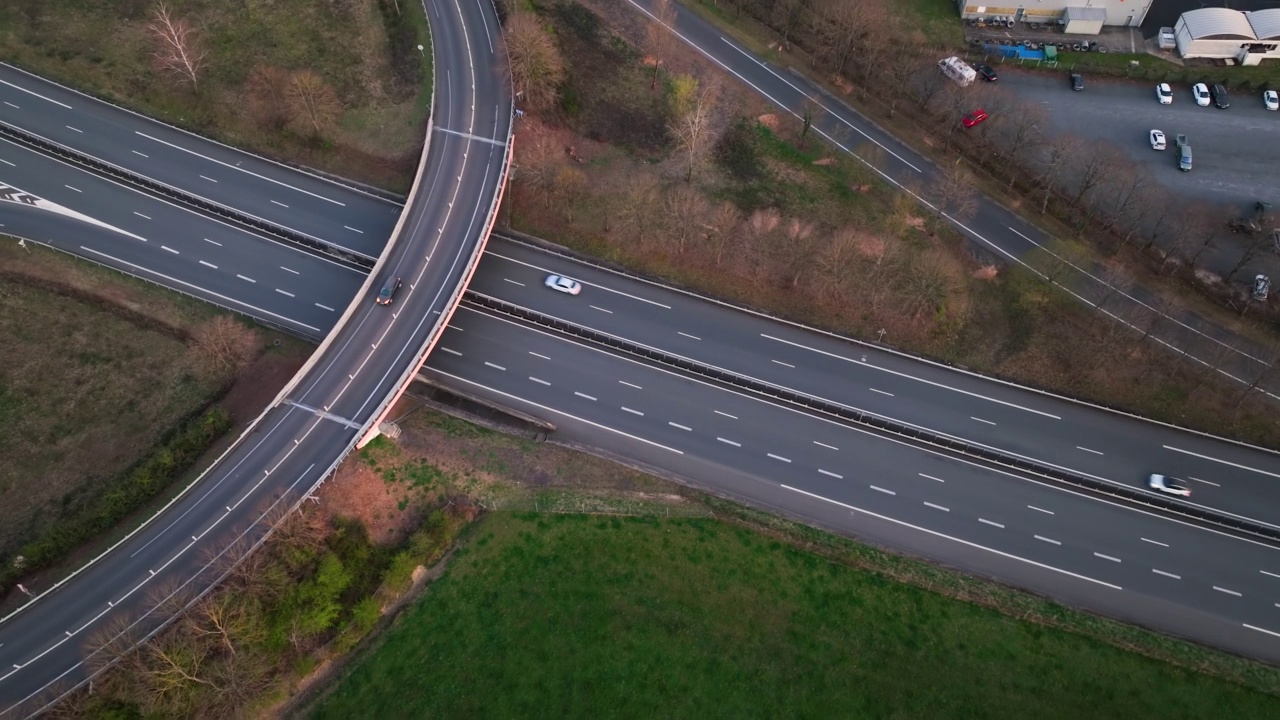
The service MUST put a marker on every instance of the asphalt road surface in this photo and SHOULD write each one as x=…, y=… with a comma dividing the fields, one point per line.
x=1228, y=478
x=338, y=215
x=1147, y=569
x=302, y=436
x=1236, y=152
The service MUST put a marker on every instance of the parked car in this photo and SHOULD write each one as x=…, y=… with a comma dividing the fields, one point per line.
x=1077, y=81
x=1169, y=485
x=974, y=118
x=1271, y=99
x=563, y=284
x=987, y=72
x=1166, y=39
x=1184, y=153
x=1164, y=94
x=1261, y=287
x=1200, y=92
x=388, y=291
x=1157, y=140
x=1220, y=99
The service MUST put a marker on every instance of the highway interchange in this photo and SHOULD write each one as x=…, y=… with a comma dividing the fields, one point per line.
x=348, y=383
x=1132, y=564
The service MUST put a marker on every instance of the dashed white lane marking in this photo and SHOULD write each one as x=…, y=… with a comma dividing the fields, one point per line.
x=584, y=395
x=981, y=420
x=624, y=382
x=1206, y=482
x=691, y=337
x=324, y=307
x=1106, y=557
x=544, y=357
x=594, y=307
x=829, y=447
x=1155, y=542
x=1095, y=452
x=76, y=129
x=15, y=107
x=881, y=392
x=206, y=177
x=1264, y=572
x=678, y=426
x=937, y=507
x=729, y=442
x=930, y=477
x=731, y=417
x=135, y=152
x=277, y=202
x=1263, y=630
x=246, y=279
x=295, y=272
x=540, y=381
x=990, y=522
x=1166, y=574
x=495, y=367
x=286, y=294
x=513, y=282
x=880, y=489
x=169, y=249
x=6, y=162
x=70, y=188
x=348, y=227
x=785, y=364
x=1047, y=512
x=213, y=242
x=779, y=457
x=830, y=474
x=208, y=264
x=633, y=412
x=144, y=217
x=451, y=351
x=1229, y=592
x=1224, y=462
x=1045, y=539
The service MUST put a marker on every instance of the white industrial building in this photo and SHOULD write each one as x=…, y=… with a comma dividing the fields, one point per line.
x=1246, y=38
x=1077, y=17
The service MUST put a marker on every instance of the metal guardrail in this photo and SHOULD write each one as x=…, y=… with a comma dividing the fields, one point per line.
x=879, y=423
x=128, y=177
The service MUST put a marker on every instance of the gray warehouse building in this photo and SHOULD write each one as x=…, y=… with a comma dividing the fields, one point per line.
x=1079, y=17
x=1245, y=38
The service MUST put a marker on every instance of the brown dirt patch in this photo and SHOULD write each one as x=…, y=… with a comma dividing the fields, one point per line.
x=261, y=380
x=824, y=161
x=359, y=492
x=769, y=120
x=987, y=272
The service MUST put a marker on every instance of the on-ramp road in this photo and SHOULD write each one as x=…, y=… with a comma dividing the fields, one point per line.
x=302, y=437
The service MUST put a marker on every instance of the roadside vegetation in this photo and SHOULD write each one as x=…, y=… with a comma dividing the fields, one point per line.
x=339, y=86
x=649, y=160
x=110, y=391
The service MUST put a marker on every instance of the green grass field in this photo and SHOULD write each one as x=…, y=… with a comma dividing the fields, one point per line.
x=581, y=616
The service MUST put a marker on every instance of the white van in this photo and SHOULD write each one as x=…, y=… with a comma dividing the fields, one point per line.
x=958, y=70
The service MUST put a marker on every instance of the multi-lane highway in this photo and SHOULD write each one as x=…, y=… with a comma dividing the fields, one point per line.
x=322, y=412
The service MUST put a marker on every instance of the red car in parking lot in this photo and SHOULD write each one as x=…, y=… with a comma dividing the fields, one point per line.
x=974, y=118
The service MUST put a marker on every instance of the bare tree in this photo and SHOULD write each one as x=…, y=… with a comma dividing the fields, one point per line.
x=638, y=214
x=686, y=208
x=759, y=233
x=720, y=230
x=837, y=262
x=785, y=16
x=1059, y=154
x=537, y=67
x=796, y=249
x=692, y=128
x=902, y=73
x=953, y=191
x=1092, y=164
x=658, y=35
x=224, y=346
x=809, y=110
x=1128, y=206
x=1254, y=245
x=313, y=105
x=567, y=186
x=1020, y=130
x=266, y=91
x=178, y=49
x=1194, y=233
x=538, y=161
x=842, y=27
x=929, y=284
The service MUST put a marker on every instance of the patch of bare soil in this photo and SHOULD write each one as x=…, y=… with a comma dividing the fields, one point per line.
x=259, y=383
x=359, y=492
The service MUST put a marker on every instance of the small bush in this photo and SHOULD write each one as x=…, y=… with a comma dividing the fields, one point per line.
x=738, y=151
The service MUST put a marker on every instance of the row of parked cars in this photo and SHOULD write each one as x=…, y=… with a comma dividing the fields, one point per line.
x=1204, y=95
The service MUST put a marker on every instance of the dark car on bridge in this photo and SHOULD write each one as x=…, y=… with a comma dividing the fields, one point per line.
x=388, y=291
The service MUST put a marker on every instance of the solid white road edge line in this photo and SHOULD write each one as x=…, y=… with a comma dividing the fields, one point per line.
x=944, y=536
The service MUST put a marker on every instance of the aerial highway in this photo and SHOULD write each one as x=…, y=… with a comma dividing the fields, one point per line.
x=341, y=216
x=316, y=419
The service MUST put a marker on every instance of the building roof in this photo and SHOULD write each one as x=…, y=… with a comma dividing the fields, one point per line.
x=1215, y=23
x=1085, y=13
x=1265, y=23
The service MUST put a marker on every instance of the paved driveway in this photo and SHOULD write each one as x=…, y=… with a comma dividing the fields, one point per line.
x=1237, y=151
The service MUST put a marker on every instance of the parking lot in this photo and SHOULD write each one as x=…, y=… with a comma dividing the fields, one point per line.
x=1237, y=150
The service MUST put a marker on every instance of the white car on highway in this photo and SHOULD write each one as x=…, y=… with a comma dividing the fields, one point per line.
x=1164, y=94
x=1200, y=92
x=1157, y=140
x=1169, y=485
x=563, y=284
x=1271, y=99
